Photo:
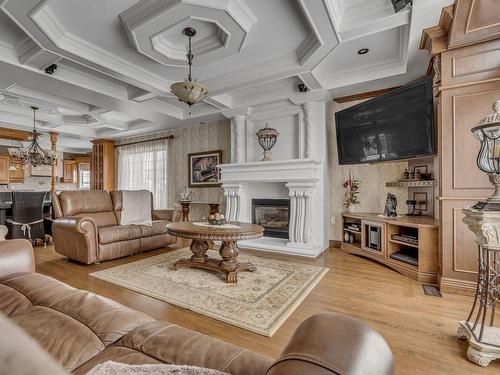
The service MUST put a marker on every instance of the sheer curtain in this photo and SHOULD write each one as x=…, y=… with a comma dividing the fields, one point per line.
x=144, y=166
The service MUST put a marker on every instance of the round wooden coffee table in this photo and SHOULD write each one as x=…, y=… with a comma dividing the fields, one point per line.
x=230, y=235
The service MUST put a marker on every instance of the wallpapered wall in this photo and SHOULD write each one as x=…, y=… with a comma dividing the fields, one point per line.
x=373, y=192
x=212, y=136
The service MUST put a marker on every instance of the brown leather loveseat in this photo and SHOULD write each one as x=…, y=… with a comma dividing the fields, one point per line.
x=80, y=330
x=86, y=227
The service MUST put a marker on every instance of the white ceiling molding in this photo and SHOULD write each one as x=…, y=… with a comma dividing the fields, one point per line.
x=248, y=53
x=153, y=27
x=54, y=29
x=31, y=54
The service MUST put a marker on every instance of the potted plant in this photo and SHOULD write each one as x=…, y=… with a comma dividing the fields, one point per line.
x=352, y=186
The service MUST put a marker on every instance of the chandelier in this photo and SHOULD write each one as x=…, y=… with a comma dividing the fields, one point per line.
x=33, y=154
x=189, y=91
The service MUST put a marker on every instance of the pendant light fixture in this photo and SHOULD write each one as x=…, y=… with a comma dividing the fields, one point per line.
x=189, y=91
x=33, y=154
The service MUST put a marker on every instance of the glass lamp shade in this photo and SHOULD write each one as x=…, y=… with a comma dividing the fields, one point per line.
x=189, y=92
x=488, y=159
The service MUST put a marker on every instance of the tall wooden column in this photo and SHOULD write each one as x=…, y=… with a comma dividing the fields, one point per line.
x=102, y=165
x=53, y=142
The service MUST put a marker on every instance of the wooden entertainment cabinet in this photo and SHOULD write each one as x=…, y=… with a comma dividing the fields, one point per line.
x=408, y=244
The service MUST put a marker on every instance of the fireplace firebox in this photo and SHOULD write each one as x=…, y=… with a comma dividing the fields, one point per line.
x=273, y=215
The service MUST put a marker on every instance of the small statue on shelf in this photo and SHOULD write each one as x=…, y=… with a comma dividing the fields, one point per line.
x=390, y=206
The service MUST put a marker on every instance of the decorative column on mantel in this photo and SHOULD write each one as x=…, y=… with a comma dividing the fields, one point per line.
x=236, y=201
x=300, y=194
x=310, y=119
x=239, y=122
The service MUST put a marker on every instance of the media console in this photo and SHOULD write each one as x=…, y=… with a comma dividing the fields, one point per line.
x=408, y=244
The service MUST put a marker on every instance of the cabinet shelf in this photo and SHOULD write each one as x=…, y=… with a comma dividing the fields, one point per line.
x=414, y=183
x=403, y=243
x=352, y=231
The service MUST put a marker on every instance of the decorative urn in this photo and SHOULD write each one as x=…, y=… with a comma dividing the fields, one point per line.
x=267, y=139
x=488, y=159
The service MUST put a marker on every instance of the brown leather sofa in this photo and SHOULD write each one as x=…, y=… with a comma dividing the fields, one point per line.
x=86, y=227
x=81, y=329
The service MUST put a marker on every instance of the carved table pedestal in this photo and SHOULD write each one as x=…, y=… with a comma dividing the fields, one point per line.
x=201, y=234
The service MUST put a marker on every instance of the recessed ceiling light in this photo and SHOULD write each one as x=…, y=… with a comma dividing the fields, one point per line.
x=363, y=51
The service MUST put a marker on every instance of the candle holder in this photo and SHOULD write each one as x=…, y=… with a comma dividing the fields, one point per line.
x=267, y=139
x=483, y=219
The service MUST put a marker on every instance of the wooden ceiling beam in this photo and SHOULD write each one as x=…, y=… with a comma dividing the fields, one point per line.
x=14, y=134
x=364, y=95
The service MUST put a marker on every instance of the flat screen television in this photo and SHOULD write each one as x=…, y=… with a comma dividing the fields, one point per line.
x=394, y=126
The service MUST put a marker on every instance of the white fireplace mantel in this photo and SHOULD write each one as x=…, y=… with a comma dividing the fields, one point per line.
x=272, y=171
x=299, y=180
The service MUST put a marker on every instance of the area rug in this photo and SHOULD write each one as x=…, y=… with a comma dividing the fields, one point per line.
x=260, y=302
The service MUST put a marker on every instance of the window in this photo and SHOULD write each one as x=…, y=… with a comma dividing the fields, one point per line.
x=144, y=166
x=84, y=176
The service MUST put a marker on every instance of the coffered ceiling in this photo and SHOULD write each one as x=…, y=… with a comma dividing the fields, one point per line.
x=116, y=59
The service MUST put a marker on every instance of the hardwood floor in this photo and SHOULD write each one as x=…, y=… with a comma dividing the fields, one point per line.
x=420, y=329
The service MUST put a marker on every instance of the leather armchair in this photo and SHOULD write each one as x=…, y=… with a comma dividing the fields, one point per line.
x=331, y=343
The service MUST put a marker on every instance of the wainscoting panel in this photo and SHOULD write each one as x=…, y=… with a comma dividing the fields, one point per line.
x=462, y=109
x=474, y=21
x=458, y=258
x=472, y=64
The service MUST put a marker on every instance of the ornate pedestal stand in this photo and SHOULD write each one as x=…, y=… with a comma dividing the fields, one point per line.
x=479, y=329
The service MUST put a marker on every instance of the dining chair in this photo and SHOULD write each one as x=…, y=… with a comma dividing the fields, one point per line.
x=27, y=215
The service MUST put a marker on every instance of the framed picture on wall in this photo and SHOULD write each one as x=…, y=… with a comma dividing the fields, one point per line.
x=203, y=171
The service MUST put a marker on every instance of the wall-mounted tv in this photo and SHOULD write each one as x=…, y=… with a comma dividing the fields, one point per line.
x=394, y=126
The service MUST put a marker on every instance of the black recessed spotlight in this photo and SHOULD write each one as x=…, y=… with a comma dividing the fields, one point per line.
x=51, y=69
x=363, y=51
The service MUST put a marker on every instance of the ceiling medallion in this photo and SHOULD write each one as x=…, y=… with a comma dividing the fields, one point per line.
x=363, y=51
x=33, y=154
x=189, y=91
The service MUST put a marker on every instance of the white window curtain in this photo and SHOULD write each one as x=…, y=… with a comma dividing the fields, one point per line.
x=144, y=166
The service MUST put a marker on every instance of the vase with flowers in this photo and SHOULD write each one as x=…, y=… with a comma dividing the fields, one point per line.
x=352, y=186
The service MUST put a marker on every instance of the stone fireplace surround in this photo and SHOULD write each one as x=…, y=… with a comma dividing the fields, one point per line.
x=300, y=181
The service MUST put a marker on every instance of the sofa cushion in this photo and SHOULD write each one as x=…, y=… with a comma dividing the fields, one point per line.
x=73, y=325
x=96, y=204
x=161, y=342
x=117, y=233
x=77, y=201
x=158, y=227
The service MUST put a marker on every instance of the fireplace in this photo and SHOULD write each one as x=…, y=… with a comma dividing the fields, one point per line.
x=273, y=215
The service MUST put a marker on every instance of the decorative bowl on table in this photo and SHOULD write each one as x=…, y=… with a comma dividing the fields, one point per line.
x=216, y=219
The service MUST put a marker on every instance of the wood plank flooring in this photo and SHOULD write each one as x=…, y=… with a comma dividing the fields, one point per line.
x=420, y=329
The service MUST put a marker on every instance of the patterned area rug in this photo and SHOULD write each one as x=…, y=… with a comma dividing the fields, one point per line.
x=260, y=302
